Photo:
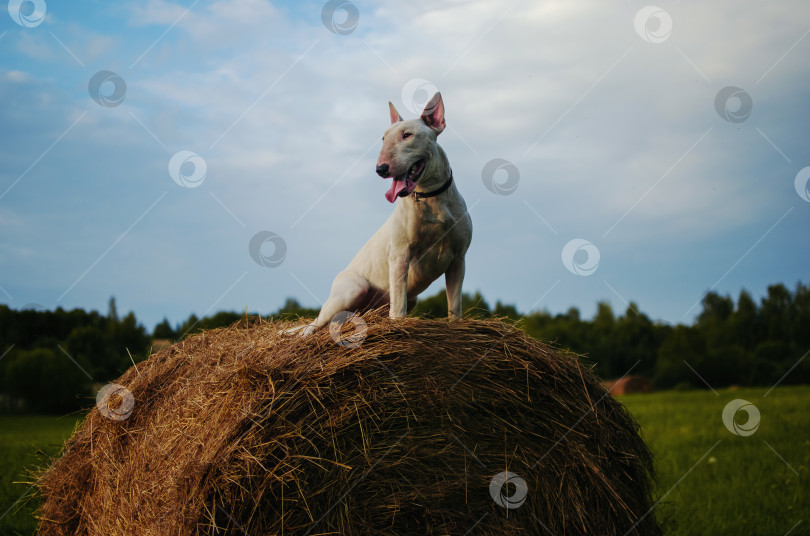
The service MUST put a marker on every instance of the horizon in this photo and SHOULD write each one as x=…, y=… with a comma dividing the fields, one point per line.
x=618, y=313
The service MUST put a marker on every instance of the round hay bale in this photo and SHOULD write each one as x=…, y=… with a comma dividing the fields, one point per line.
x=630, y=385
x=421, y=427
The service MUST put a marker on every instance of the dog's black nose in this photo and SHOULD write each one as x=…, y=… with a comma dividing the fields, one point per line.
x=382, y=170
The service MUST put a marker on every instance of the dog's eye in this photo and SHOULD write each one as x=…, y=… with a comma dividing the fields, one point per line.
x=406, y=135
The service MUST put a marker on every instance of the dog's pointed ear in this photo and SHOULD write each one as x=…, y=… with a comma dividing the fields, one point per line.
x=433, y=116
x=395, y=117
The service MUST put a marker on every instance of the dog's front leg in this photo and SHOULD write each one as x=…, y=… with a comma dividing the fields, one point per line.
x=398, y=284
x=453, y=278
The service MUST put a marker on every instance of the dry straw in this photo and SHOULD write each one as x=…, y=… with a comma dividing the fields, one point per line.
x=243, y=430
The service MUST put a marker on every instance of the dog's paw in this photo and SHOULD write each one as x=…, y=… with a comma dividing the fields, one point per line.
x=303, y=331
x=292, y=331
x=309, y=330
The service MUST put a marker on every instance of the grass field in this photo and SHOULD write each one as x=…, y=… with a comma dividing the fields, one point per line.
x=26, y=442
x=715, y=482
x=711, y=481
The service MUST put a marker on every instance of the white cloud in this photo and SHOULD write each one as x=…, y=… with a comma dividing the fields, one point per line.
x=17, y=76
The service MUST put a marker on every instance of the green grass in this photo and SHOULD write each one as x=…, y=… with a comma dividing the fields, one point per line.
x=715, y=482
x=711, y=481
x=25, y=443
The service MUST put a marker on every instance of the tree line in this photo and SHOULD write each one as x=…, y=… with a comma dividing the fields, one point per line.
x=730, y=343
x=53, y=361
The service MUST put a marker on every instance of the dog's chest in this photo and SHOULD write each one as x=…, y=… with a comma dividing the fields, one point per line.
x=432, y=245
x=431, y=225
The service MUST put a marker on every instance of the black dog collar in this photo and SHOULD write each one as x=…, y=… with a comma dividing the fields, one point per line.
x=443, y=188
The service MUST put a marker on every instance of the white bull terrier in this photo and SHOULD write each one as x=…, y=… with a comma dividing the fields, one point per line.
x=426, y=236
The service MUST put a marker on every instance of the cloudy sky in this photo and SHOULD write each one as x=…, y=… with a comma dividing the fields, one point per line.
x=639, y=153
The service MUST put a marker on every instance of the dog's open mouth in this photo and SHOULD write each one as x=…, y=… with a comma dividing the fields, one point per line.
x=405, y=184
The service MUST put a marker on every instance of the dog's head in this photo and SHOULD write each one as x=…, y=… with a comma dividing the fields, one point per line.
x=408, y=147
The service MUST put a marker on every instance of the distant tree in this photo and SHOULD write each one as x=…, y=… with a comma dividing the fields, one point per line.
x=602, y=346
x=126, y=338
x=715, y=308
x=432, y=306
x=191, y=325
x=504, y=310
x=474, y=306
x=685, y=344
x=293, y=309
x=604, y=320
x=745, y=324
x=566, y=330
x=46, y=382
x=537, y=324
x=770, y=360
x=112, y=311
x=724, y=366
x=220, y=319
x=435, y=306
x=717, y=311
x=164, y=330
x=637, y=340
x=776, y=310
x=89, y=344
x=800, y=317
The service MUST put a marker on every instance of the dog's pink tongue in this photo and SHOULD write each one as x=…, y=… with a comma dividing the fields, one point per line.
x=393, y=193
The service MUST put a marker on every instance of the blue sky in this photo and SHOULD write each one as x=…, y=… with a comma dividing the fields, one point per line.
x=608, y=112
